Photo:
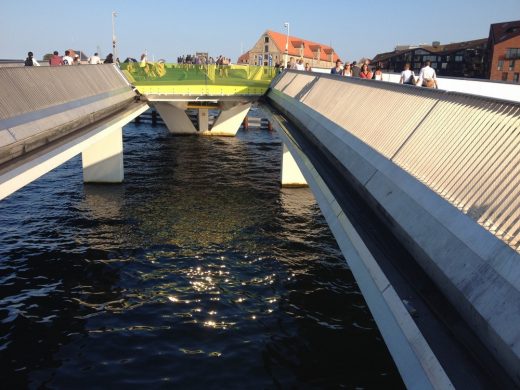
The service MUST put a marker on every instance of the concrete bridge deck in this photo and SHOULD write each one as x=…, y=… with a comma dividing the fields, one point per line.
x=440, y=170
x=51, y=114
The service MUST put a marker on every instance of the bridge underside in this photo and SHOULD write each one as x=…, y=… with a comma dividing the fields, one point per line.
x=226, y=114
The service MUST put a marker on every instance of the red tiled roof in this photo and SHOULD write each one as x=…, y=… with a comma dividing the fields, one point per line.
x=309, y=48
x=244, y=58
x=503, y=31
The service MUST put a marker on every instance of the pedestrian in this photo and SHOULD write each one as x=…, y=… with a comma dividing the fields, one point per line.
x=347, y=70
x=109, y=59
x=355, y=69
x=407, y=76
x=292, y=63
x=94, y=60
x=67, y=59
x=365, y=72
x=308, y=67
x=427, y=76
x=299, y=65
x=56, y=59
x=30, y=61
x=378, y=74
x=338, y=69
x=76, y=60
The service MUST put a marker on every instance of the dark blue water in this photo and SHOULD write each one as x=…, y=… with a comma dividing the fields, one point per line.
x=196, y=272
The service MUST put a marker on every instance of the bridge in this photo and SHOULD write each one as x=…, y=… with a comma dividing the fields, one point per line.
x=418, y=186
x=174, y=88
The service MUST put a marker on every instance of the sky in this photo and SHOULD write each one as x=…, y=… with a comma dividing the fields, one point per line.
x=168, y=29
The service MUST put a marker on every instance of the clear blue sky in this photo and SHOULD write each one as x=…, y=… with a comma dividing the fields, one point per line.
x=168, y=29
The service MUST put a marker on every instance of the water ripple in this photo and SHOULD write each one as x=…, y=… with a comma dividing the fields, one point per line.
x=197, y=272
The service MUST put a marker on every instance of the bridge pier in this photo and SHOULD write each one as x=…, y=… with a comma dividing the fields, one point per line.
x=175, y=117
x=229, y=120
x=103, y=160
x=227, y=123
x=291, y=174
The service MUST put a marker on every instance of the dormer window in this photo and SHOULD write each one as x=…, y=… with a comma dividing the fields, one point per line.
x=266, y=39
x=316, y=51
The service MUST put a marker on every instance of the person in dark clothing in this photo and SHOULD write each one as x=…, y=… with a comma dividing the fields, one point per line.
x=338, y=69
x=109, y=59
x=356, y=70
x=30, y=61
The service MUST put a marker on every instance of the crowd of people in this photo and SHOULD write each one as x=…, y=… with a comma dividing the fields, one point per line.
x=70, y=58
x=427, y=76
x=201, y=59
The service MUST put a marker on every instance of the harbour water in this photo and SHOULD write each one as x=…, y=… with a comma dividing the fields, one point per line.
x=197, y=272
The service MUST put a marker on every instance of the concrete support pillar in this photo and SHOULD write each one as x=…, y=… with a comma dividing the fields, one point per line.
x=291, y=174
x=103, y=160
x=203, y=119
x=229, y=120
x=175, y=118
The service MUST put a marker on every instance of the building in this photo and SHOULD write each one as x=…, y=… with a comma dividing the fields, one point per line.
x=461, y=59
x=270, y=50
x=504, y=52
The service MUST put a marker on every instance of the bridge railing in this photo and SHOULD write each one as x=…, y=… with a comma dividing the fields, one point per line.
x=191, y=79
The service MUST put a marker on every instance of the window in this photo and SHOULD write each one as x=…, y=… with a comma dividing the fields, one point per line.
x=504, y=76
x=447, y=58
x=434, y=65
x=513, y=54
x=516, y=77
x=459, y=58
x=266, y=39
x=512, y=65
x=444, y=65
x=500, y=65
x=266, y=48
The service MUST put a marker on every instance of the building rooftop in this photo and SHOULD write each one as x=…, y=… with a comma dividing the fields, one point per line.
x=504, y=31
x=309, y=48
x=434, y=49
x=244, y=58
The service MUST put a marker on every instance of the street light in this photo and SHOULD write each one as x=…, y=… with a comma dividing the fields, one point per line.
x=286, y=25
x=114, y=14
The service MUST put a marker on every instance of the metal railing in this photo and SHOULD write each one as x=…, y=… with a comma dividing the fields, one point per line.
x=465, y=148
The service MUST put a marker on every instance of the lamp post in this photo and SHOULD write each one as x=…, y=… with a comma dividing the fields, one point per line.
x=114, y=14
x=286, y=25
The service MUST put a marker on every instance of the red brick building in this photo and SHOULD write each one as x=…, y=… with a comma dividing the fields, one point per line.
x=504, y=52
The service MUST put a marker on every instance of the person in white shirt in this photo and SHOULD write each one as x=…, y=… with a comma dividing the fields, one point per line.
x=299, y=65
x=67, y=59
x=427, y=76
x=95, y=59
x=407, y=76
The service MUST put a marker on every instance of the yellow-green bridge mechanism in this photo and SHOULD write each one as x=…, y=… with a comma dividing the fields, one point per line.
x=175, y=88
